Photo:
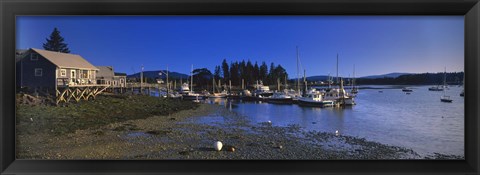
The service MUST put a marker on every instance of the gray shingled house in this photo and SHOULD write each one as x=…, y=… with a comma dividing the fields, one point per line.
x=107, y=76
x=43, y=69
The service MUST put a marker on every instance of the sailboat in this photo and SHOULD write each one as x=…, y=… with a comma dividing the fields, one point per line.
x=190, y=95
x=445, y=98
x=218, y=94
x=354, y=88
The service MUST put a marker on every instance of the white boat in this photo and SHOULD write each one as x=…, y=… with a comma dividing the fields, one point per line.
x=315, y=100
x=281, y=98
x=262, y=91
x=216, y=93
x=246, y=95
x=222, y=94
x=339, y=96
x=190, y=95
x=436, y=88
x=445, y=98
x=406, y=89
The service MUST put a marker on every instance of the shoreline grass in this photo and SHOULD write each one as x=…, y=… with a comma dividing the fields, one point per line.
x=103, y=110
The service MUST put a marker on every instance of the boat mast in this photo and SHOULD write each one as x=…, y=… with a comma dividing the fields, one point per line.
x=191, y=80
x=305, y=80
x=298, y=75
x=444, y=80
x=353, y=81
x=337, y=68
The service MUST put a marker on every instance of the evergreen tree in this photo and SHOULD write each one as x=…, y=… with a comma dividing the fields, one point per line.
x=56, y=42
x=243, y=71
x=234, y=74
x=249, y=77
x=226, y=71
x=271, y=74
x=256, y=72
x=217, y=73
x=263, y=72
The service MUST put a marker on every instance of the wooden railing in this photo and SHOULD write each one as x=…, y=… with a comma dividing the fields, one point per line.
x=77, y=82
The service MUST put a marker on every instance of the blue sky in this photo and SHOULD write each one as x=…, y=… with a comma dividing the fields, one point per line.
x=375, y=44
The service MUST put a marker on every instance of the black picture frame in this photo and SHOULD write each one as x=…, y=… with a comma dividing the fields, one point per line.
x=9, y=9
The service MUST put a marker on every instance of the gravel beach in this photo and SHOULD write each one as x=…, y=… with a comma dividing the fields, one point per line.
x=191, y=134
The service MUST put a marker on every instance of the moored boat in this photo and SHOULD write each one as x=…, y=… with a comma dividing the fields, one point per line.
x=445, y=98
x=280, y=98
x=406, y=89
x=435, y=88
x=315, y=100
x=188, y=93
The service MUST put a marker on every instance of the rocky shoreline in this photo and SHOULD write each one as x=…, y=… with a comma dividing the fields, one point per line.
x=187, y=135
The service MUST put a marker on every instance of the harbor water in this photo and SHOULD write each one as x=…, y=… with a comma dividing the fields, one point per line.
x=384, y=114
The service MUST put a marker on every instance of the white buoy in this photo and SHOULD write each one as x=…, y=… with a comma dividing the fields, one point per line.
x=218, y=146
x=31, y=119
x=336, y=132
x=269, y=122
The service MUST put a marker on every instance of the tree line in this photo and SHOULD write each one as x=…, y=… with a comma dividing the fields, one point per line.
x=416, y=79
x=237, y=71
x=250, y=73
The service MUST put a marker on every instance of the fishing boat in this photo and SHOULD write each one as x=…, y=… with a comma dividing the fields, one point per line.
x=262, y=92
x=339, y=96
x=445, y=98
x=190, y=94
x=280, y=98
x=406, y=89
x=315, y=100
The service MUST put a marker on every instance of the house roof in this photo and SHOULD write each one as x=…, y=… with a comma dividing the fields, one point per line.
x=65, y=60
x=105, y=72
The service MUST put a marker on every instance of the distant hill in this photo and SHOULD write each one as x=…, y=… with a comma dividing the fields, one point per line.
x=317, y=78
x=325, y=77
x=155, y=74
x=390, y=75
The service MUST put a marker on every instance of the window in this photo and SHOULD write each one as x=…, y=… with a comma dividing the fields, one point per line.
x=38, y=72
x=72, y=74
x=33, y=56
x=63, y=72
x=84, y=74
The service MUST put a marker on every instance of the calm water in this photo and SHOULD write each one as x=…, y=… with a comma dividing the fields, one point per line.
x=418, y=121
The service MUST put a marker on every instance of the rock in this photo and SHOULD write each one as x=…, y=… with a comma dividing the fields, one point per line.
x=218, y=146
x=231, y=149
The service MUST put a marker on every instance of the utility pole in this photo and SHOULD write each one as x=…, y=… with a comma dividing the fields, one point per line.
x=191, y=80
x=141, y=80
x=168, y=87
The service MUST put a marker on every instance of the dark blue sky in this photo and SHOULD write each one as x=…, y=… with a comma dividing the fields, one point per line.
x=375, y=44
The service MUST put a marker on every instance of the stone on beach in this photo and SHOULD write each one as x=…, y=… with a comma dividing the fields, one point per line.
x=218, y=146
